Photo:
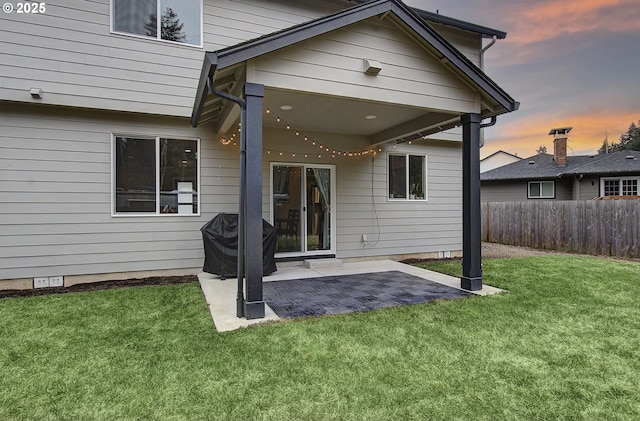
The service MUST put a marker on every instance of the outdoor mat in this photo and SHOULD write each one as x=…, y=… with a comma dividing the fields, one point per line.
x=352, y=293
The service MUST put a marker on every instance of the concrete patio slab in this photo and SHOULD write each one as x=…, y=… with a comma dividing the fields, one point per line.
x=221, y=295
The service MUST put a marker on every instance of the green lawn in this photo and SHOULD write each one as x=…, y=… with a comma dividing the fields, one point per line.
x=563, y=343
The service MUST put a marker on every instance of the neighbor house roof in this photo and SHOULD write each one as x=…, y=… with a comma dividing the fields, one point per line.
x=500, y=152
x=542, y=166
x=266, y=44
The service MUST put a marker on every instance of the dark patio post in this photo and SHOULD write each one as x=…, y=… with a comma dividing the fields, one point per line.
x=471, y=234
x=254, y=304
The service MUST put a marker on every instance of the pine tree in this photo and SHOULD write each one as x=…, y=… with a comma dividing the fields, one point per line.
x=628, y=141
x=171, y=27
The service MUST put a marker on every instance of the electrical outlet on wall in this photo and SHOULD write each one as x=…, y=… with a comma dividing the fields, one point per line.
x=56, y=281
x=42, y=282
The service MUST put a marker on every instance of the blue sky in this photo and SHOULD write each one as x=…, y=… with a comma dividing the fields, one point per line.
x=569, y=62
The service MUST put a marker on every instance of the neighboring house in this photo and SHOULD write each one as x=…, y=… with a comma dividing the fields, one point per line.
x=497, y=159
x=120, y=137
x=562, y=177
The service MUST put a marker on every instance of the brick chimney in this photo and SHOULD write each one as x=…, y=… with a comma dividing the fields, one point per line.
x=560, y=136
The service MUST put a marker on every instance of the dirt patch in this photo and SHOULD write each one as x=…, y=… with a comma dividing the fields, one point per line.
x=96, y=286
x=496, y=251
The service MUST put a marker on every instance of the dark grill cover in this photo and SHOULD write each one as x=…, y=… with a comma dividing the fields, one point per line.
x=220, y=237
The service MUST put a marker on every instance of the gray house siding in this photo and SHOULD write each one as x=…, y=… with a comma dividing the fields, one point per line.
x=56, y=152
x=55, y=207
x=70, y=53
x=589, y=187
x=517, y=190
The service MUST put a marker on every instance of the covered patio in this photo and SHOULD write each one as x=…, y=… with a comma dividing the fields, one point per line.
x=423, y=286
x=322, y=71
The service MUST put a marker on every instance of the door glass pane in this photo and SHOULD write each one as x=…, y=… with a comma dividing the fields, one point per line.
x=287, y=204
x=318, y=209
x=135, y=174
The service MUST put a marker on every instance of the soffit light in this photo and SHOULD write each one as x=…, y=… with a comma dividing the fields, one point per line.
x=370, y=117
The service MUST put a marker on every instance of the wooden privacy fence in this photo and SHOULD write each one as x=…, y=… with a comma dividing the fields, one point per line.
x=597, y=227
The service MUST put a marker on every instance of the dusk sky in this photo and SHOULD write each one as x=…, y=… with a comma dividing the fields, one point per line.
x=568, y=62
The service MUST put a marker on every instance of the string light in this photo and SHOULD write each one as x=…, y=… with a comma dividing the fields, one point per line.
x=323, y=148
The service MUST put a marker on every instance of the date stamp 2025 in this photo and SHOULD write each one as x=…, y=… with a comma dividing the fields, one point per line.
x=27, y=7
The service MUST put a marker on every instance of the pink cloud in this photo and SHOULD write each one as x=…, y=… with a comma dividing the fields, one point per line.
x=543, y=21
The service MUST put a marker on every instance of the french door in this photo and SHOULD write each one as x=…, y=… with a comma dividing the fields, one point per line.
x=302, y=198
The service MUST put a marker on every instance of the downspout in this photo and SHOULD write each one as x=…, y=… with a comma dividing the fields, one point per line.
x=243, y=186
x=489, y=124
x=482, y=51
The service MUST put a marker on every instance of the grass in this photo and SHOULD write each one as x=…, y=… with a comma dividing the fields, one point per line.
x=563, y=343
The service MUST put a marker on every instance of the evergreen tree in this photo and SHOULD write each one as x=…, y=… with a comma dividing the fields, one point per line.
x=628, y=141
x=170, y=26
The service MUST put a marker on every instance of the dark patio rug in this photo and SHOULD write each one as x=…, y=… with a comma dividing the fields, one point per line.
x=352, y=293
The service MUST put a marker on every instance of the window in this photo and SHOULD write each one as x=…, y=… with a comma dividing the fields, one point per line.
x=169, y=20
x=619, y=186
x=154, y=175
x=407, y=177
x=541, y=189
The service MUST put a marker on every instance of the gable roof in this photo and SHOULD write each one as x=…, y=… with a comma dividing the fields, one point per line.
x=500, y=152
x=456, y=23
x=404, y=15
x=542, y=166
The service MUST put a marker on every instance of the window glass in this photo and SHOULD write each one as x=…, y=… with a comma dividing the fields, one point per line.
x=612, y=187
x=416, y=177
x=547, y=189
x=135, y=180
x=143, y=164
x=179, y=21
x=407, y=177
x=135, y=17
x=534, y=190
x=397, y=176
x=178, y=174
x=541, y=189
x=629, y=187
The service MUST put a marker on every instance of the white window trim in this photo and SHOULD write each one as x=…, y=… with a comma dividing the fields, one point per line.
x=426, y=180
x=157, y=213
x=553, y=195
x=619, y=180
x=157, y=38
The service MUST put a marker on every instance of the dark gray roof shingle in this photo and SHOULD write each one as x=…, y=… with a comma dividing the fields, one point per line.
x=542, y=166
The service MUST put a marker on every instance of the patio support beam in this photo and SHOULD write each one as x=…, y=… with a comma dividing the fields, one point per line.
x=471, y=234
x=252, y=220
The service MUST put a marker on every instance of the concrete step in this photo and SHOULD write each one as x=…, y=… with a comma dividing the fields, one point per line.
x=322, y=263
